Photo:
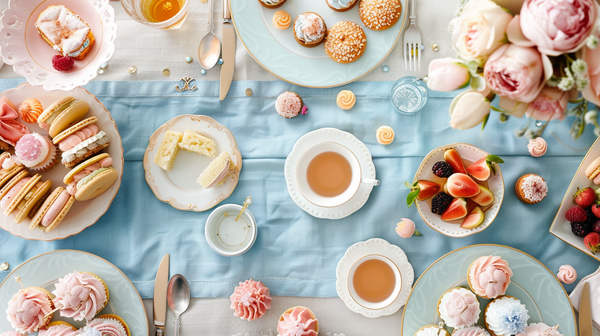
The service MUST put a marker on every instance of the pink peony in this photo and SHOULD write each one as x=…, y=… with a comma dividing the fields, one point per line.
x=592, y=91
x=550, y=104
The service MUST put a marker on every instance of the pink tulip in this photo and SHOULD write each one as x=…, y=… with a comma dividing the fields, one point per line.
x=468, y=110
x=446, y=74
x=550, y=104
x=592, y=91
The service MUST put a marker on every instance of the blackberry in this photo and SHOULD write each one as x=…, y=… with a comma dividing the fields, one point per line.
x=581, y=229
x=442, y=169
x=440, y=202
x=591, y=218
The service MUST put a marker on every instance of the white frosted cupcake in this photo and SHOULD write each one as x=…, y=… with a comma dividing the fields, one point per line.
x=459, y=308
x=540, y=329
x=505, y=316
x=471, y=331
x=431, y=330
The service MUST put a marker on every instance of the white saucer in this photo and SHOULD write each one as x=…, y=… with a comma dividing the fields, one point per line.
x=347, y=140
x=360, y=250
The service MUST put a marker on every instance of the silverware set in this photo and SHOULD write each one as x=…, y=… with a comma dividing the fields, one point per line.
x=175, y=292
x=412, y=43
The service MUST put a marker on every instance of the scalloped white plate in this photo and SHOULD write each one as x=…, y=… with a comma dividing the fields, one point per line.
x=360, y=250
x=347, y=140
x=31, y=56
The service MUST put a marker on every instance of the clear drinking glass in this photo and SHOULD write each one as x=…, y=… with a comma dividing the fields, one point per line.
x=140, y=11
x=409, y=95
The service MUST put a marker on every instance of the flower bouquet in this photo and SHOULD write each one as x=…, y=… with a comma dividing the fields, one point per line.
x=536, y=61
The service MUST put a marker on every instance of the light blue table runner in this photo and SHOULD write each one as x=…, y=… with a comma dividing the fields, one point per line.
x=296, y=254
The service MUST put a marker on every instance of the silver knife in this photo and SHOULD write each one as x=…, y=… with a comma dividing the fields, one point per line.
x=585, y=312
x=160, y=295
x=228, y=53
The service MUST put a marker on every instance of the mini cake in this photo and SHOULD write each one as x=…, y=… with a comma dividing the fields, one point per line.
x=271, y=3
x=58, y=328
x=489, y=276
x=36, y=152
x=9, y=168
x=217, y=171
x=341, y=5
x=309, y=29
x=168, y=150
x=23, y=194
x=537, y=147
x=431, y=330
x=505, y=316
x=345, y=42
x=298, y=321
x=289, y=104
x=540, y=329
x=106, y=325
x=11, y=130
x=346, y=99
x=65, y=31
x=62, y=114
x=30, y=110
x=531, y=188
x=593, y=171
x=27, y=309
x=379, y=14
x=385, y=135
x=91, y=178
x=53, y=210
x=196, y=143
x=80, y=296
x=459, y=308
x=250, y=300
x=282, y=20
x=81, y=141
x=567, y=274
x=471, y=331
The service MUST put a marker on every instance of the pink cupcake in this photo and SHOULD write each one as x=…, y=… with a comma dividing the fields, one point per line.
x=298, y=321
x=36, y=152
x=80, y=296
x=489, y=276
x=250, y=300
x=59, y=328
x=27, y=309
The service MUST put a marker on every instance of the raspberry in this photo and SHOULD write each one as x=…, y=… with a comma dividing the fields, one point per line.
x=576, y=214
x=442, y=169
x=61, y=63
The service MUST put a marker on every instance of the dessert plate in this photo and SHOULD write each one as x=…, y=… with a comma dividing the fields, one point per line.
x=278, y=52
x=31, y=56
x=354, y=145
x=374, y=246
x=469, y=154
x=178, y=187
x=45, y=269
x=532, y=283
x=82, y=214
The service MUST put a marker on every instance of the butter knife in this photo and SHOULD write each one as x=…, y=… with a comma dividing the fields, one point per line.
x=160, y=295
x=228, y=53
x=585, y=312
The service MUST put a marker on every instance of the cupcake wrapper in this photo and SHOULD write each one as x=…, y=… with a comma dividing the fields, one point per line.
x=52, y=160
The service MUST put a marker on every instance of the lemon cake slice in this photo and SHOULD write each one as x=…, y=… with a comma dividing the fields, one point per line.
x=167, y=152
x=216, y=171
x=196, y=143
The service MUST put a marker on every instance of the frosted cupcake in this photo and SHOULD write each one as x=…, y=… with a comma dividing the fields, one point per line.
x=341, y=5
x=298, y=321
x=58, y=328
x=80, y=296
x=459, y=308
x=489, y=276
x=271, y=3
x=431, y=330
x=540, y=329
x=309, y=29
x=471, y=331
x=27, y=309
x=250, y=300
x=106, y=325
x=505, y=316
x=36, y=152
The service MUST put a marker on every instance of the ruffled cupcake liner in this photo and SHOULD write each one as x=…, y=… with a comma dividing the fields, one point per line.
x=52, y=160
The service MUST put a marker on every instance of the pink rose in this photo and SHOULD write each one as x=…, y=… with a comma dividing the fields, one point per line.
x=592, y=91
x=550, y=104
x=463, y=308
x=446, y=74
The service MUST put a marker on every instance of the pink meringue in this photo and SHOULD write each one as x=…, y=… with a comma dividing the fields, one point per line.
x=27, y=308
x=537, y=147
x=567, y=274
x=81, y=295
x=489, y=276
x=250, y=300
x=288, y=104
x=540, y=329
x=299, y=321
x=58, y=330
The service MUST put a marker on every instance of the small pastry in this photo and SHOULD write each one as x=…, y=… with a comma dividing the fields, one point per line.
x=431, y=330
x=52, y=211
x=9, y=169
x=217, y=171
x=11, y=130
x=379, y=14
x=23, y=193
x=91, y=178
x=567, y=274
x=345, y=42
x=531, y=188
x=80, y=141
x=406, y=228
x=459, y=308
x=537, y=147
x=540, y=329
x=27, y=309
x=289, y=104
x=196, y=143
x=298, y=321
x=271, y=3
x=309, y=29
x=346, y=99
x=58, y=328
x=282, y=20
x=168, y=150
x=250, y=300
x=593, y=171
x=385, y=135
x=489, y=276
x=62, y=114
x=341, y=5
x=505, y=316
x=65, y=31
x=471, y=331
x=36, y=152
x=30, y=110
x=106, y=325
x=80, y=296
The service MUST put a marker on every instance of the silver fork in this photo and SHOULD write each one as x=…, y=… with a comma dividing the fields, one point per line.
x=412, y=42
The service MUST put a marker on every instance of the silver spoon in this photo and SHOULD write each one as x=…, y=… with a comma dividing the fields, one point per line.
x=178, y=298
x=209, y=49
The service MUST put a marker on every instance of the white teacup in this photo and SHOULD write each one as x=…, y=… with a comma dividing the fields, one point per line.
x=387, y=301
x=345, y=196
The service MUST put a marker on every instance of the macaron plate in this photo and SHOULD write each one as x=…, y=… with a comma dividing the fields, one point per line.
x=81, y=214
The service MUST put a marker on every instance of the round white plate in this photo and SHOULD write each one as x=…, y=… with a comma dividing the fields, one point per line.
x=471, y=154
x=45, y=269
x=178, y=187
x=31, y=56
x=82, y=214
x=347, y=140
x=278, y=52
x=360, y=250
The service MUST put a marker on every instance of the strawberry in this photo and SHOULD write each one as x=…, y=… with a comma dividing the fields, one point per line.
x=421, y=190
x=584, y=197
x=596, y=209
x=576, y=214
x=592, y=242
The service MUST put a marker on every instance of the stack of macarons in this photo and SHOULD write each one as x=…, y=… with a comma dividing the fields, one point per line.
x=593, y=171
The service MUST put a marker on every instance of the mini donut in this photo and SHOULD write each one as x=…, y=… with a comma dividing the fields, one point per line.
x=345, y=42
x=379, y=14
x=282, y=20
x=346, y=99
x=30, y=110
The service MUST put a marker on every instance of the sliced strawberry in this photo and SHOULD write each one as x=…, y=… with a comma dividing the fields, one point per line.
x=452, y=157
x=421, y=190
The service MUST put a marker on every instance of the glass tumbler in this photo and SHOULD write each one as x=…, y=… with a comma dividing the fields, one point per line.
x=139, y=11
x=409, y=95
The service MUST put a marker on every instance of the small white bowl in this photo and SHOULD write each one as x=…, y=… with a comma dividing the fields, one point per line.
x=228, y=237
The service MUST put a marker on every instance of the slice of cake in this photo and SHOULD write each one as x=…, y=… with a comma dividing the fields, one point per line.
x=197, y=143
x=167, y=152
x=216, y=171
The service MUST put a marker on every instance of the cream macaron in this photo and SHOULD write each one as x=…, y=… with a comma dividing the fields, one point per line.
x=62, y=114
x=91, y=178
x=593, y=171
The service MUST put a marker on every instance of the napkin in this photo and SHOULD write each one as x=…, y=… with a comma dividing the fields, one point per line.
x=594, y=281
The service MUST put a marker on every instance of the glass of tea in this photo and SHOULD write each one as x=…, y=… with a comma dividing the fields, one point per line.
x=159, y=14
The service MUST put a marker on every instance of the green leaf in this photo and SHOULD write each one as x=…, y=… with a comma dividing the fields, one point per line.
x=412, y=196
x=417, y=233
x=494, y=108
x=494, y=158
x=485, y=120
x=406, y=184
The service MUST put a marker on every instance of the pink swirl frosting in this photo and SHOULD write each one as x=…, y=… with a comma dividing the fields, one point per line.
x=27, y=308
x=537, y=147
x=567, y=274
x=105, y=327
x=463, y=308
x=288, y=104
x=299, y=322
x=472, y=331
x=540, y=329
x=58, y=330
x=76, y=138
x=489, y=276
x=81, y=296
x=250, y=300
